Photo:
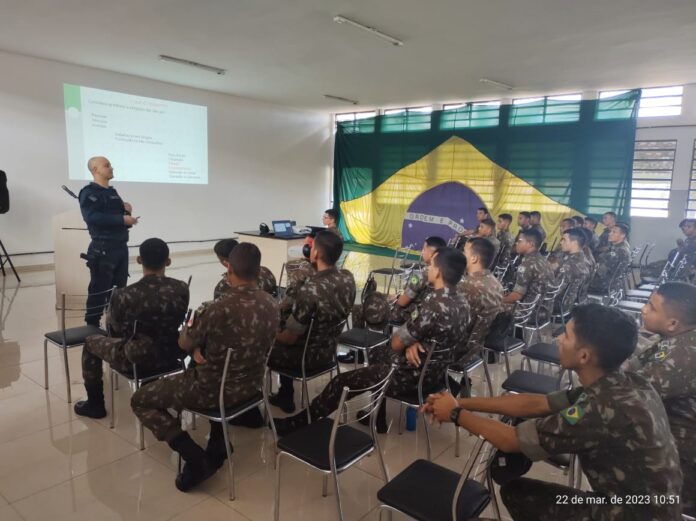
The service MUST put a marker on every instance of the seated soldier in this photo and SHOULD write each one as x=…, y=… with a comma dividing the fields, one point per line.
x=441, y=320
x=534, y=273
x=326, y=297
x=417, y=288
x=483, y=293
x=487, y=231
x=505, y=238
x=158, y=304
x=267, y=281
x=616, y=257
x=609, y=221
x=669, y=364
x=685, y=248
x=244, y=319
x=330, y=220
x=298, y=271
x=589, y=256
x=535, y=222
x=481, y=215
x=557, y=252
x=573, y=270
x=591, y=225
x=615, y=424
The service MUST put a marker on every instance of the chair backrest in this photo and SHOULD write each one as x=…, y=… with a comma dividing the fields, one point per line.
x=188, y=282
x=524, y=311
x=280, y=281
x=97, y=310
x=645, y=258
x=435, y=349
x=548, y=299
x=466, y=474
x=337, y=330
x=500, y=269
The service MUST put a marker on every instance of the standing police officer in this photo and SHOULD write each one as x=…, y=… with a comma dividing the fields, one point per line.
x=108, y=219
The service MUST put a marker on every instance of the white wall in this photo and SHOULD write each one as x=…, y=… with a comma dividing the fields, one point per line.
x=265, y=161
x=664, y=231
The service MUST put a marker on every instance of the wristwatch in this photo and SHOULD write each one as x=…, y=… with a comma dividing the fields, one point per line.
x=454, y=415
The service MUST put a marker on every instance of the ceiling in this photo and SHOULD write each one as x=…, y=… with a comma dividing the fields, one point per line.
x=291, y=52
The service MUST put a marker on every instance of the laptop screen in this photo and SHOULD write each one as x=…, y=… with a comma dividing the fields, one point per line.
x=282, y=228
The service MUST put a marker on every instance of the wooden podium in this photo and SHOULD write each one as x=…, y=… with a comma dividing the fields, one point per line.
x=275, y=251
x=70, y=238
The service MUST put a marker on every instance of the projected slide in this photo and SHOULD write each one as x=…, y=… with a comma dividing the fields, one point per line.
x=147, y=140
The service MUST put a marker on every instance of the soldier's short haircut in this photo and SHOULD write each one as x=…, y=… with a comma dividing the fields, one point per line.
x=330, y=246
x=591, y=220
x=154, y=253
x=526, y=214
x=687, y=221
x=610, y=214
x=570, y=221
x=588, y=235
x=579, y=220
x=505, y=217
x=576, y=234
x=245, y=261
x=488, y=222
x=482, y=209
x=534, y=236
x=224, y=247
x=534, y=214
x=451, y=263
x=623, y=227
x=333, y=214
x=680, y=300
x=436, y=242
x=610, y=332
x=483, y=249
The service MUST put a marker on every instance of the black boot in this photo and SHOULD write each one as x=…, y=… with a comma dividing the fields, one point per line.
x=93, y=406
x=252, y=419
x=215, y=451
x=197, y=468
x=380, y=422
x=284, y=398
x=285, y=426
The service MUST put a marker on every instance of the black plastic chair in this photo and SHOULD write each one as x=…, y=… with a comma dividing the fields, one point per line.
x=331, y=446
x=400, y=255
x=363, y=340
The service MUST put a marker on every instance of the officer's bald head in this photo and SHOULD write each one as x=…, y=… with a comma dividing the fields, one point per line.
x=99, y=166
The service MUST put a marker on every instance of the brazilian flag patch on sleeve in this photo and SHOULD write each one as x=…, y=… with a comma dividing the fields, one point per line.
x=573, y=414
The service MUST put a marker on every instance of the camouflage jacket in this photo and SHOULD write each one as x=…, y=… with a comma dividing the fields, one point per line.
x=574, y=271
x=440, y=321
x=541, y=230
x=484, y=294
x=533, y=276
x=506, y=246
x=669, y=365
x=494, y=241
x=619, y=429
x=244, y=319
x=159, y=306
x=608, y=262
x=298, y=271
x=602, y=242
x=267, y=282
x=327, y=297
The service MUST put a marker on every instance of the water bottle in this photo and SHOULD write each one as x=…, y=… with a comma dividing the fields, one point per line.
x=411, y=418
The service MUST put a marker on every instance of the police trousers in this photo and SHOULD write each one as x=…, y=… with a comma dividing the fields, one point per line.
x=108, y=267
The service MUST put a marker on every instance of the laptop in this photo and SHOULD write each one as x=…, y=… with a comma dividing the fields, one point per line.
x=284, y=229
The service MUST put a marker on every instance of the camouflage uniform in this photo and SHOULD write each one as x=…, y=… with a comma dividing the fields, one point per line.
x=506, y=247
x=327, y=297
x=298, y=271
x=541, y=230
x=159, y=305
x=669, y=365
x=687, y=249
x=602, y=242
x=608, y=262
x=574, y=270
x=619, y=430
x=244, y=319
x=494, y=241
x=533, y=276
x=267, y=282
x=485, y=297
x=374, y=312
x=441, y=320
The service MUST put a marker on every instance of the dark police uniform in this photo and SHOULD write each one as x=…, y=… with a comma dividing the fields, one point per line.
x=103, y=211
x=619, y=430
x=245, y=319
x=158, y=304
x=669, y=365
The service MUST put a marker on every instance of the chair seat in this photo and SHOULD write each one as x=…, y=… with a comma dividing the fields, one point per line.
x=230, y=411
x=508, y=343
x=311, y=444
x=649, y=280
x=528, y=382
x=470, y=365
x=362, y=338
x=647, y=287
x=638, y=293
x=630, y=305
x=543, y=352
x=425, y=490
x=152, y=374
x=296, y=373
x=387, y=271
x=559, y=460
x=74, y=336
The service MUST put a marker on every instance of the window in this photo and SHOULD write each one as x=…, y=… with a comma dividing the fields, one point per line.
x=662, y=101
x=407, y=119
x=470, y=115
x=616, y=104
x=550, y=109
x=691, y=203
x=356, y=122
x=653, y=165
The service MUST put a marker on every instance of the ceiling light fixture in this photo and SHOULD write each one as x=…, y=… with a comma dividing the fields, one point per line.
x=340, y=98
x=182, y=61
x=496, y=83
x=343, y=20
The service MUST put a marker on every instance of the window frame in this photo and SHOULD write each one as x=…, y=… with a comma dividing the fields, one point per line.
x=640, y=203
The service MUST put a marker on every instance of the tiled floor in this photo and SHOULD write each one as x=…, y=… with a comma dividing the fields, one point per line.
x=57, y=466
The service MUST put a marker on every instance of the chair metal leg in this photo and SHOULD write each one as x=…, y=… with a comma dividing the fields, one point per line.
x=427, y=436
x=67, y=372
x=456, y=441
x=116, y=381
x=487, y=375
x=507, y=363
x=325, y=485
x=338, y=495
x=45, y=364
x=401, y=413
x=112, y=380
x=276, y=510
x=494, y=497
x=382, y=466
x=193, y=421
x=230, y=464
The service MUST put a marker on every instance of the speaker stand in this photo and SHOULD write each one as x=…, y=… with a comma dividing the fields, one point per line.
x=5, y=259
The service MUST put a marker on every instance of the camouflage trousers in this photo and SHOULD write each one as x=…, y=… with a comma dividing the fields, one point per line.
x=289, y=357
x=533, y=500
x=118, y=353
x=151, y=403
